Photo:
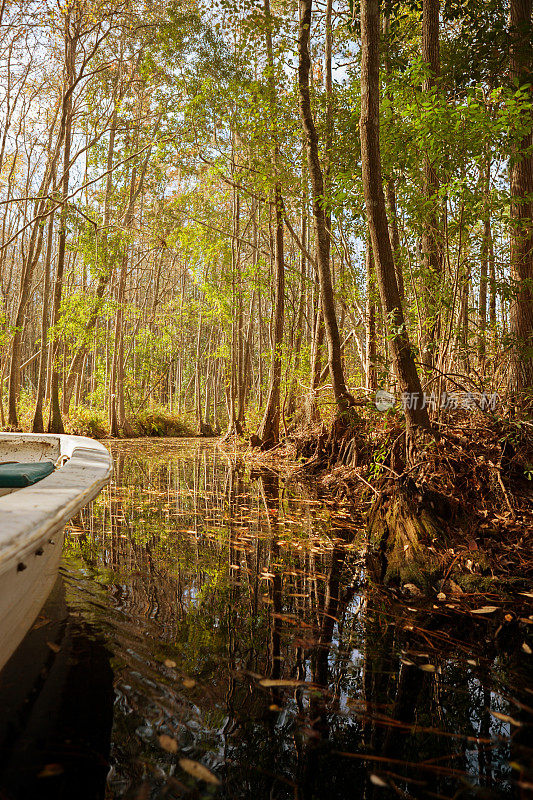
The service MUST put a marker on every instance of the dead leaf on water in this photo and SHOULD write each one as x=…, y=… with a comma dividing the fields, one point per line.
x=526, y=648
x=53, y=646
x=169, y=663
x=377, y=781
x=189, y=683
x=484, y=610
x=198, y=771
x=50, y=770
x=168, y=743
x=506, y=718
x=269, y=682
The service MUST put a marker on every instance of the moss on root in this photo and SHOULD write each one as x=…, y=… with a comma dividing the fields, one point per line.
x=401, y=536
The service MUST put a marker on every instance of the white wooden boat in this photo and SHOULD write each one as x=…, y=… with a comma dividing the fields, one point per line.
x=32, y=520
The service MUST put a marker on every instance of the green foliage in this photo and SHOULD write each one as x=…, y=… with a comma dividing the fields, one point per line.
x=85, y=421
x=159, y=421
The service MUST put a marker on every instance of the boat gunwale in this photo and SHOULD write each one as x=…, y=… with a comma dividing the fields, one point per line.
x=32, y=513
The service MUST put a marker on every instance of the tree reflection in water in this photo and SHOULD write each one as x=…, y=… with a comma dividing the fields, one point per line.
x=240, y=625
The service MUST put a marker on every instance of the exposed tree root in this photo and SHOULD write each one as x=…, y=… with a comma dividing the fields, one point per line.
x=463, y=512
x=405, y=535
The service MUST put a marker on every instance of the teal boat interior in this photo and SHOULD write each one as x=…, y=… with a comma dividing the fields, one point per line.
x=17, y=475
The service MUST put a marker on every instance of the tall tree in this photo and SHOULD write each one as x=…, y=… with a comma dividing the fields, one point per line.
x=400, y=346
x=370, y=321
x=322, y=233
x=431, y=240
x=521, y=180
x=269, y=428
x=71, y=37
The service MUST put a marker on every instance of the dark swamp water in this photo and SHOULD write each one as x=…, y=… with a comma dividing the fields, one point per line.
x=213, y=635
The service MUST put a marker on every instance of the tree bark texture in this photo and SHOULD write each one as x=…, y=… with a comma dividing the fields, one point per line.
x=400, y=346
x=322, y=235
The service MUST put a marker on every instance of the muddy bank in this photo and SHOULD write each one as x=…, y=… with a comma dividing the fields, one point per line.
x=459, y=519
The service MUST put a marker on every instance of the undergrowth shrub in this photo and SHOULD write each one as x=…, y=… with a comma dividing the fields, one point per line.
x=84, y=421
x=159, y=421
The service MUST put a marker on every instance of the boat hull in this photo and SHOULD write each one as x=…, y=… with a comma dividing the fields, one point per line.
x=32, y=522
x=23, y=594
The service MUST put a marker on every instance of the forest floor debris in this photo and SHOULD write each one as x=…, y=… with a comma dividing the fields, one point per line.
x=465, y=507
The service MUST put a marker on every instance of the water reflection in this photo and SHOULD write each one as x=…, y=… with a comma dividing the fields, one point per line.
x=243, y=636
x=56, y=701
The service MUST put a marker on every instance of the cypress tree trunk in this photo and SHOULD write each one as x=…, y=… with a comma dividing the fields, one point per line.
x=390, y=189
x=431, y=246
x=521, y=233
x=484, y=270
x=103, y=279
x=400, y=346
x=55, y=422
x=312, y=412
x=38, y=422
x=291, y=404
x=322, y=235
x=269, y=429
x=370, y=321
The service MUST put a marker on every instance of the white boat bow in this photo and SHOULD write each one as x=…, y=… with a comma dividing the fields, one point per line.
x=32, y=519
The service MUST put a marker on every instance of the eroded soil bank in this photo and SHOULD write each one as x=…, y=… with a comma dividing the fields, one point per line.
x=460, y=518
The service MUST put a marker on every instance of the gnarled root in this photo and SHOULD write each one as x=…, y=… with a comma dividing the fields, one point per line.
x=402, y=529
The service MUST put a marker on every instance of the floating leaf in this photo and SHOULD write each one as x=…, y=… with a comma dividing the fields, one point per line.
x=377, y=781
x=428, y=667
x=198, y=771
x=526, y=594
x=527, y=649
x=170, y=663
x=506, y=718
x=50, y=770
x=53, y=646
x=485, y=610
x=168, y=743
x=189, y=683
x=268, y=682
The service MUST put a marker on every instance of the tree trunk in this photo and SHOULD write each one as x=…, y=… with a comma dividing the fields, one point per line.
x=104, y=276
x=198, y=378
x=521, y=232
x=322, y=235
x=117, y=416
x=400, y=346
x=431, y=245
x=269, y=429
x=484, y=270
x=492, y=291
x=390, y=189
x=291, y=405
x=38, y=422
x=55, y=422
x=312, y=412
x=370, y=321
x=234, y=425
